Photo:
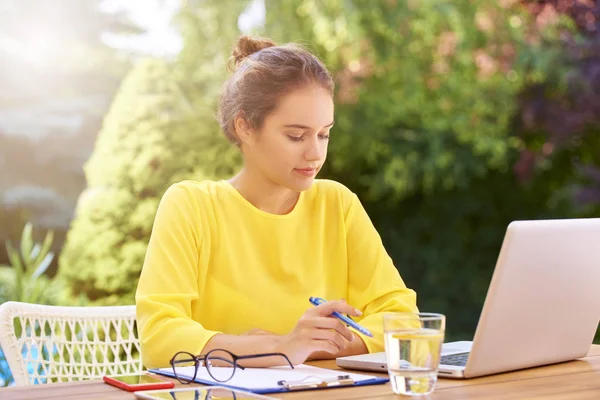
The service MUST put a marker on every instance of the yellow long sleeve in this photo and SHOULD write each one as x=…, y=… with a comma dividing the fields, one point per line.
x=374, y=286
x=215, y=263
x=168, y=284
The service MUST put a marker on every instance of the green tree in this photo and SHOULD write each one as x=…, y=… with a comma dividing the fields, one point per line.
x=209, y=30
x=143, y=147
x=161, y=129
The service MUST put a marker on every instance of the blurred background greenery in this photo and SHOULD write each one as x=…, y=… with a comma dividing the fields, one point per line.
x=453, y=118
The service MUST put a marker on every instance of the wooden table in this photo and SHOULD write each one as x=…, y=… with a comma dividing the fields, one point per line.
x=579, y=379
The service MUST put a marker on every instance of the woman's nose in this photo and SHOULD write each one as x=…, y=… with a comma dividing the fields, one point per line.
x=315, y=149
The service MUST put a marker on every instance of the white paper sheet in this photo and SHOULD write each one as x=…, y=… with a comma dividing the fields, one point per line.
x=267, y=378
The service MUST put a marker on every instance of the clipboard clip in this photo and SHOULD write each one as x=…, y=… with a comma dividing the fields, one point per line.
x=312, y=381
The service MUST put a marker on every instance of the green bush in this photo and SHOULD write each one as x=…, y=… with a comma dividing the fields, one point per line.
x=160, y=129
x=25, y=279
x=152, y=137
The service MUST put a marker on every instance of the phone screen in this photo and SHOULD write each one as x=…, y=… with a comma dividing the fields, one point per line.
x=137, y=379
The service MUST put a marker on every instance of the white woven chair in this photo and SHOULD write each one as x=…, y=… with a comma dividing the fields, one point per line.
x=44, y=344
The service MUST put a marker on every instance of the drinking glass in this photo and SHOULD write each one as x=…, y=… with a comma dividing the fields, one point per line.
x=413, y=346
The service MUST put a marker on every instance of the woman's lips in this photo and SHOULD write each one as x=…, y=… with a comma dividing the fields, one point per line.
x=308, y=172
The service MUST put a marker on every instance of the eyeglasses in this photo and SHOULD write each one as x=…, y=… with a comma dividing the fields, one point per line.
x=214, y=360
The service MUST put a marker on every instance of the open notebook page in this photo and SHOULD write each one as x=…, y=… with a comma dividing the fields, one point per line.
x=267, y=378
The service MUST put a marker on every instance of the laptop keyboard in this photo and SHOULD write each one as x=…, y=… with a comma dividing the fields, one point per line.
x=459, y=359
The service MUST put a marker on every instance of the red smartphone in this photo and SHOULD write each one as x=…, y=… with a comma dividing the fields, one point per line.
x=133, y=383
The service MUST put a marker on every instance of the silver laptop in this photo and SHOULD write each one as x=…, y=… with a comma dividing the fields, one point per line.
x=542, y=306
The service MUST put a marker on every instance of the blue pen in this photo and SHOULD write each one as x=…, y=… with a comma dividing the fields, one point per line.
x=317, y=300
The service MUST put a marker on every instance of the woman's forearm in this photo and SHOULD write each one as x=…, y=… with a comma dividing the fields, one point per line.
x=249, y=344
x=354, y=347
x=261, y=342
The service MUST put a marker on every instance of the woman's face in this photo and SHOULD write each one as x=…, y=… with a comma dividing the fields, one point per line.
x=291, y=146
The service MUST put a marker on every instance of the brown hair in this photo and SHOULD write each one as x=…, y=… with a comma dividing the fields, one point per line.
x=263, y=73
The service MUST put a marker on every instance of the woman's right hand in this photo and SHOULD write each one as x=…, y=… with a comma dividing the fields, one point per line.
x=318, y=331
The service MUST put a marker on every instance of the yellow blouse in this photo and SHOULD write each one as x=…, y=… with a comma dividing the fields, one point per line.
x=216, y=263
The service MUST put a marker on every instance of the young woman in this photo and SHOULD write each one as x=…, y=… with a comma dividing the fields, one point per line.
x=231, y=264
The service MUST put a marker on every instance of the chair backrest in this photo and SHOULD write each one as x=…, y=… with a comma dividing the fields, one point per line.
x=44, y=344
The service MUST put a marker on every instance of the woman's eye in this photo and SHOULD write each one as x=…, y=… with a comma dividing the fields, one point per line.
x=295, y=138
x=324, y=137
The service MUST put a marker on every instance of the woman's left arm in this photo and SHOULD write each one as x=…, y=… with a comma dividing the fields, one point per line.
x=374, y=283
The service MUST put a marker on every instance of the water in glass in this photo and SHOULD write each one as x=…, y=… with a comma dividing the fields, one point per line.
x=413, y=358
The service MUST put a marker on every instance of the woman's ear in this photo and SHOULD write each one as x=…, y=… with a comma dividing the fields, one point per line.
x=242, y=129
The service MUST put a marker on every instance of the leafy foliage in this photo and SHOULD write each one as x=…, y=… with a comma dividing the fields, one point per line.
x=142, y=148
x=25, y=279
x=562, y=115
x=160, y=130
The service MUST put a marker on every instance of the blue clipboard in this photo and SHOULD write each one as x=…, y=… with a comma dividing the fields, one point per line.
x=343, y=380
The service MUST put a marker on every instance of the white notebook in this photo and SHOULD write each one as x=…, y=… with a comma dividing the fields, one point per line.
x=267, y=380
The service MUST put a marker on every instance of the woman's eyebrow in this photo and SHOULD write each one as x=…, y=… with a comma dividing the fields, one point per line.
x=299, y=126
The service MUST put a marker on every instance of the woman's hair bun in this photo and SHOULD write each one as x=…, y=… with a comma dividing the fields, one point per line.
x=247, y=45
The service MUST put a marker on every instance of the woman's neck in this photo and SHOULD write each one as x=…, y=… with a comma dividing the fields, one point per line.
x=264, y=194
